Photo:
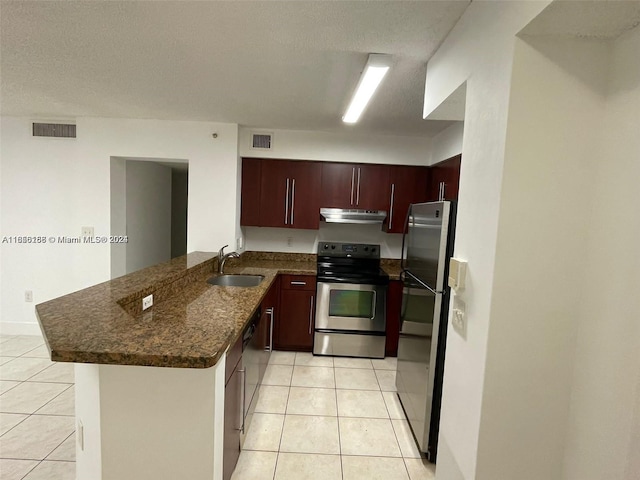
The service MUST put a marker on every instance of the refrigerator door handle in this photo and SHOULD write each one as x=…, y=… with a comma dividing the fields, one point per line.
x=405, y=232
x=420, y=282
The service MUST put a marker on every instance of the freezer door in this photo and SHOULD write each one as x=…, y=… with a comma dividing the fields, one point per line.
x=419, y=323
x=426, y=242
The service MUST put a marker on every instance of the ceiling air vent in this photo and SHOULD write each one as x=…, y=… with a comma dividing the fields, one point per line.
x=262, y=140
x=59, y=130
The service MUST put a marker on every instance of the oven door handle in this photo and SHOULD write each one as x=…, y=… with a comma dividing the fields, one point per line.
x=373, y=303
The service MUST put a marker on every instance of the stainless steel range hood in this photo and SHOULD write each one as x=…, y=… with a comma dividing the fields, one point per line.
x=344, y=215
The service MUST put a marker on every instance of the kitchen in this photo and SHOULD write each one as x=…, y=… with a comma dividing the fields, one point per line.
x=477, y=364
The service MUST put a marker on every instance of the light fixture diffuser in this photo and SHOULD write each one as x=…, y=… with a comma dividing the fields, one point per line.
x=376, y=68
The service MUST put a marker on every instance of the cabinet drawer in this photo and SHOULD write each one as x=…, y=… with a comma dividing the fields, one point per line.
x=298, y=282
x=233, y=356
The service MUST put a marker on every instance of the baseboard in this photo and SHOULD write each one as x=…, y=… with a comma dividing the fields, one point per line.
x=20, y=328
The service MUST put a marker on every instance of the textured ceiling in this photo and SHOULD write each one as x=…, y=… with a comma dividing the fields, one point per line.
x=270, y=64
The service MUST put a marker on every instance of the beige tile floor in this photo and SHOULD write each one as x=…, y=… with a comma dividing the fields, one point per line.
x=317, y=417
x=37, y=414
x=330, y=418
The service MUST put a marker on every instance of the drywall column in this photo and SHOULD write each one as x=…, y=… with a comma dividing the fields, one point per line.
x=150, y=423
x=479, y=51
x=603, y=437
x=555, y=118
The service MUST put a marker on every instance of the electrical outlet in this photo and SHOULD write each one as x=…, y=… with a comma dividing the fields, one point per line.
x=147, y=302
x=80, y=435
x=239, y=243
x=87, y=232
x=289, y=241
x=28, y=296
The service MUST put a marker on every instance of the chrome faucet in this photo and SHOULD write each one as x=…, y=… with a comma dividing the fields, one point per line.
x=223, y=257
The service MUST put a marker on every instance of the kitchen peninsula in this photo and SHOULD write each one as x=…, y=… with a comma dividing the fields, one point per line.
x=150, y=384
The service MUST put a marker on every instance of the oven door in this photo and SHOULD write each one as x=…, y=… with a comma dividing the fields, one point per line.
x=351, y=307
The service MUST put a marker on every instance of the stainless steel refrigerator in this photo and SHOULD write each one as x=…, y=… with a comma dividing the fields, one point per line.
x=427, y=247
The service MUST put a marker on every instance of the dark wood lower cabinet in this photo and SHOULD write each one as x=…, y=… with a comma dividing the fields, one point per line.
x=294, y=326
x=232, y=420
x=394, y=304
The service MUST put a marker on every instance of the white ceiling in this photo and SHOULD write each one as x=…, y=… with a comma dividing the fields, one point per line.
x=586, y=18
x=272, y=64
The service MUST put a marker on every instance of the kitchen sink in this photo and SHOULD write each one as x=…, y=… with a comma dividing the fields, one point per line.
x=236, y=280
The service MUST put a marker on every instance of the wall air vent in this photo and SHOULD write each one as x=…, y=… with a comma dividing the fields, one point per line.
x=59, y=130
x=263, y=141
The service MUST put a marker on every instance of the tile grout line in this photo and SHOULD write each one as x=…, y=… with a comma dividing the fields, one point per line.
x=27, y=416
x=66, y=438
x=29, y=472
x=335, y=391
x=59, y=415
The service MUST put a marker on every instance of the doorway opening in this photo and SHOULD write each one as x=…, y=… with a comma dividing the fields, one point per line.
x=149, y=206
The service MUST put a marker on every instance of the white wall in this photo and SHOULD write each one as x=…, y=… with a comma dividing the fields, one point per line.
x=56, y=186
x=148, y=207
x=447, y=143
x=306, y=241
x=555, y=118
x=479, y=50
x=339, y=147
x=118, y=214
x=604, y=425
x=38, y=198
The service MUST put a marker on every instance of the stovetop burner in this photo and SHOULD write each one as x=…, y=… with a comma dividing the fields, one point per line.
x=355, y=263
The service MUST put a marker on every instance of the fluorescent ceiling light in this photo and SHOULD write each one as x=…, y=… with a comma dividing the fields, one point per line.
x=375, y=70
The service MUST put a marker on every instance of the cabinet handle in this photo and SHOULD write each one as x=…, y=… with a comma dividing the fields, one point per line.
x=293, y=197
x=298, y=283
x=286, y=205
x=358, y=194
x=310, y=313
x=353, y=181
x=444, y=186
x=393, y=191
x=270, y=313
x=244, y=394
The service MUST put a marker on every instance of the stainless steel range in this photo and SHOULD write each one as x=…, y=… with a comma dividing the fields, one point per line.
x=351, y=301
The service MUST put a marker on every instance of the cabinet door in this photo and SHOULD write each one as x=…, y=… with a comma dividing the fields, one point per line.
x=445, y=177
x=232, y=422
x=407, y=185
x=372, y=187
x=338, y=185
x=304, y=208
x=250, y=192
x=295, y=322
x=275, y=193
x=394, y=302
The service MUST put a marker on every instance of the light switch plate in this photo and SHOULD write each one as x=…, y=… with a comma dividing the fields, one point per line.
x=459, y=317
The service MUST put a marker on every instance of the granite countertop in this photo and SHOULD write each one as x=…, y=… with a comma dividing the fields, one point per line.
x=190, y=325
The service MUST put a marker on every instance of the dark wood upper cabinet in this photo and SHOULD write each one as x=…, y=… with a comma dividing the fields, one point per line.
x=250, y=192
x=305, y=195
x=338, y=185
x=352, y=185
x=290, y=194
x=407, y=185
x=372, y=187
x=445, y=179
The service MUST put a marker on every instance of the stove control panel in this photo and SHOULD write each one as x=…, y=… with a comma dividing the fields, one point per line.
x=348, y=250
